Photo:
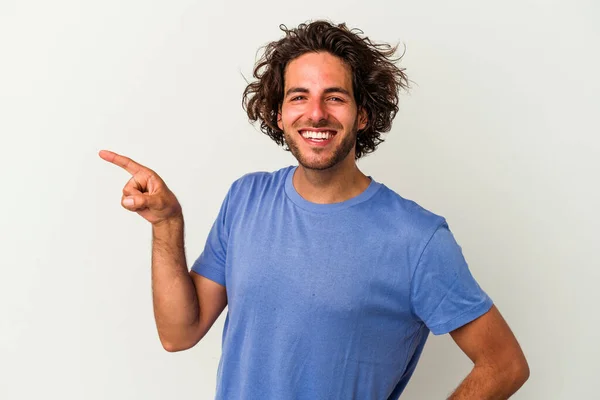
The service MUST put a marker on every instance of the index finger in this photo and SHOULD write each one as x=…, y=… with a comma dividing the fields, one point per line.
x=124, y=162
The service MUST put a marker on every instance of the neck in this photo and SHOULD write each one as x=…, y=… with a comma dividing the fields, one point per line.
x=333, y=185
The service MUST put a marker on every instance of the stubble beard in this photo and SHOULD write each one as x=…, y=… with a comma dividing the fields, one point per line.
x=338, y=155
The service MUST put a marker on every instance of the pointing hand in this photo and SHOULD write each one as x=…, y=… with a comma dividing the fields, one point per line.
x=145, y=193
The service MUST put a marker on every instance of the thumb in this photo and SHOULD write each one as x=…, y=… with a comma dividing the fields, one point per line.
x=134, y=203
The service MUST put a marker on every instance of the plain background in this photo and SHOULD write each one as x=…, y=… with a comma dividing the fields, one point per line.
x=499, y=134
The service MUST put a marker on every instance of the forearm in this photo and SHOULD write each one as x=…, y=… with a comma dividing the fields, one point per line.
x=490, y=383
x=176, y=308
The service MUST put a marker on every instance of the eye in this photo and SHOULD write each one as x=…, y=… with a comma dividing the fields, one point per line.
x=336, y=99
x=297, y=98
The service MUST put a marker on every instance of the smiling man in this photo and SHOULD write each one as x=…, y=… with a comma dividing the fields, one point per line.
x=333, y=281
x=320, y=121
x=318, y=104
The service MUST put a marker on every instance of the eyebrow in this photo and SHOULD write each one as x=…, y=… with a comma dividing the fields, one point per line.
x=326, y=91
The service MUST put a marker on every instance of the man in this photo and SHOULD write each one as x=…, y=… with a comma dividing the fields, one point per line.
x=332, y=281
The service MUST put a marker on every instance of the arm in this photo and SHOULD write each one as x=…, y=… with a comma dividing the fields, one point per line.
x=500, y=367
x=186, y=304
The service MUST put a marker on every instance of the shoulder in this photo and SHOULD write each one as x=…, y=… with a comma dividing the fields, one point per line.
x=413, y=218
x=258, y=183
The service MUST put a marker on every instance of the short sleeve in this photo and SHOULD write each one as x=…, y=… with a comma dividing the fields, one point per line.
x=211, y=262
x=444, y=294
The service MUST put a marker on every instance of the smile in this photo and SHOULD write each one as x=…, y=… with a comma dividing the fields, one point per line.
x=317, y=135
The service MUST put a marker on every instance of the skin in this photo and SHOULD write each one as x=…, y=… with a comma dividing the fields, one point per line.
x=500, y=367
x=318, y=94
x=185, y=304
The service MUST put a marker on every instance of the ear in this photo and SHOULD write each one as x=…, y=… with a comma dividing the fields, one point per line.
x=362, y=118
x=279, y=123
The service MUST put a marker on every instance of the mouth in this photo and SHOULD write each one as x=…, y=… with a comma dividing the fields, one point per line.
x=318, y=137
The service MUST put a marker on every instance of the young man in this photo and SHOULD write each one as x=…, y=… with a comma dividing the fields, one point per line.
x=333, y=281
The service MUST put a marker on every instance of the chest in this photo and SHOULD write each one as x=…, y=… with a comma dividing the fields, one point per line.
x=340, y=267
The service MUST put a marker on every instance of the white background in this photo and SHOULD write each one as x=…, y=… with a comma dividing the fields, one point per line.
x=499, y=135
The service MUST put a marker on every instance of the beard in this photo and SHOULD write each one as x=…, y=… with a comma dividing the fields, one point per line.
x=318, y=160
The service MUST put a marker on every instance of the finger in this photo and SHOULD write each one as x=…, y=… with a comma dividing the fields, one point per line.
x=137, y=183
x=134, y=186
x=124, y=162
x=135, y=202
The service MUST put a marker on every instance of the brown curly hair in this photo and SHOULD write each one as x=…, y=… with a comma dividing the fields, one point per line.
x=376, y=79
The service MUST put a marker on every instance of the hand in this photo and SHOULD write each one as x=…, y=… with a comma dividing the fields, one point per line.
x=145, y=193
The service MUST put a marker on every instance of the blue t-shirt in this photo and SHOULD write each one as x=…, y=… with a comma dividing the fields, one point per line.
x=331, y=301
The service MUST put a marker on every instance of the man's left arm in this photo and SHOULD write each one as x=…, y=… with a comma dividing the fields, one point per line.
x=500, y=366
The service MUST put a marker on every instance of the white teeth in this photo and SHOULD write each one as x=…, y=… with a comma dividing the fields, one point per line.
x=316, y=135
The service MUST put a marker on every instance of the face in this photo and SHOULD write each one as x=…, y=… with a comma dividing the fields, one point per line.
x=318, y=116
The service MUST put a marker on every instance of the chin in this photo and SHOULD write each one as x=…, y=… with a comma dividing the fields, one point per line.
x=322, y=159
x=321, y=163
x=316, y=166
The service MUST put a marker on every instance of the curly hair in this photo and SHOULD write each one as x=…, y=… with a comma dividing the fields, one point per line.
x=376, y=80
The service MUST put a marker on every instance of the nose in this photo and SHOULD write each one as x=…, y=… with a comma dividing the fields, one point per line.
x=317, y=111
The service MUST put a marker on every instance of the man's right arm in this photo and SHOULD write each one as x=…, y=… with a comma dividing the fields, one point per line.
x=186, y=304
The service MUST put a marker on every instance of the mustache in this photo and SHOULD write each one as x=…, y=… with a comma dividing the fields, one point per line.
x=319, y=124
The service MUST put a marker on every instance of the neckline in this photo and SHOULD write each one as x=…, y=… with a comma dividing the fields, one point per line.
x=301, y=202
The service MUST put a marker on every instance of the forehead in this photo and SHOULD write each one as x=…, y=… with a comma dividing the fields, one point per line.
x=318, y=71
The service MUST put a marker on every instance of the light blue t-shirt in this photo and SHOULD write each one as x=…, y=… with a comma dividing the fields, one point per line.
x=330, y=301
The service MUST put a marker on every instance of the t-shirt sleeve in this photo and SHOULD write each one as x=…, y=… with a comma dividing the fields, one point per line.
x=212, y=260
x=444, y=294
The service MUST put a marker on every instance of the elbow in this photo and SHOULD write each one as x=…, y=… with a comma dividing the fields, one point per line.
x=180, y=338
x=174, y=345
x=516, y=374
x=510, y=374
x=521, y=372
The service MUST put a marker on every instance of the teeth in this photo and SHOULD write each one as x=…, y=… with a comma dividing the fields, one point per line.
x=316, y=135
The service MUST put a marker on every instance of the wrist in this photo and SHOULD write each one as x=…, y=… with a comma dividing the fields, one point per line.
x=169, y=224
